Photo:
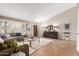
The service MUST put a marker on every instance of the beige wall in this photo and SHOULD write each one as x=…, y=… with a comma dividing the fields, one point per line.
x=68, y=16
x=77, y=46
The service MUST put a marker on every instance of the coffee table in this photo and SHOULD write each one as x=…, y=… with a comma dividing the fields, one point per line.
x=30, y=40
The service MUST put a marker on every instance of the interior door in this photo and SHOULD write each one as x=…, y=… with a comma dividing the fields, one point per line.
x=35, y=30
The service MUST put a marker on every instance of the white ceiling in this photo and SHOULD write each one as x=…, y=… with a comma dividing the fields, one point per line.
x=33, y=11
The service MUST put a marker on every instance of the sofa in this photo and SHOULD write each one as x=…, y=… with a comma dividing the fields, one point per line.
x=9, y=51
x=18, y=36
x=9, y=47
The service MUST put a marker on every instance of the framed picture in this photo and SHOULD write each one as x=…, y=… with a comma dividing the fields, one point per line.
x=28, y=27
x=67, y=26
x=50, y=27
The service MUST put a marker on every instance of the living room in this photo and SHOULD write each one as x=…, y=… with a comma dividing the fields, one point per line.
x=39, y=29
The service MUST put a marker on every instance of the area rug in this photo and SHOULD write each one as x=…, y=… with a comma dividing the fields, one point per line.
x=36, y=45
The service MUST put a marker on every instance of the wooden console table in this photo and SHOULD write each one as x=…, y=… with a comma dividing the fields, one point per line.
x=51, y=35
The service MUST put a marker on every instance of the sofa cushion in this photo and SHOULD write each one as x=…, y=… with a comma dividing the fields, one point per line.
x=12, y=34
x=11, y=43
x=8, y=44
x=7, y=35
x=3, y=46
x=3, y=37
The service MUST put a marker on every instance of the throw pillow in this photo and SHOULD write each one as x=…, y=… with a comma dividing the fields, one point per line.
x=7, y=35
x=11, y=43
x=1, y=40
x=3, y=46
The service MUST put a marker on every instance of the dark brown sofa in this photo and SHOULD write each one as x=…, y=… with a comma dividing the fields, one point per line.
x=9, y=51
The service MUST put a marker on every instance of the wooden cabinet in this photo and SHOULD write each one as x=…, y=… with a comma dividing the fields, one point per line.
x=51, y=35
